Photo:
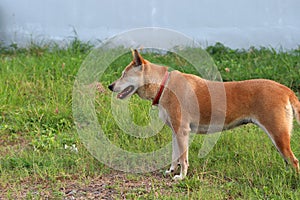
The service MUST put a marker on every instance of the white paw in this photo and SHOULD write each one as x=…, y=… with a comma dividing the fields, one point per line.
x=177, y=178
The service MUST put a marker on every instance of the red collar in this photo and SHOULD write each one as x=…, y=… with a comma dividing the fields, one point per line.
x=161, y=89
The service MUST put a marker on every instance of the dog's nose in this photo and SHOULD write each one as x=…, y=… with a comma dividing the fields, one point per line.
x=111, y=86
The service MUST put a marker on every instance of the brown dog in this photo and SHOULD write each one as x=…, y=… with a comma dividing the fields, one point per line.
x=188, y=103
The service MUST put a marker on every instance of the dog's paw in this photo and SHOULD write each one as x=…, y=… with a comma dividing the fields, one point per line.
x=178, y=178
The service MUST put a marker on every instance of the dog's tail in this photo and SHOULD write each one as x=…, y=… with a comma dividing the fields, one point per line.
x=296, y=106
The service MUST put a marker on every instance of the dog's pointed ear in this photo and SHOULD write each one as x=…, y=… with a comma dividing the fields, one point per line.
x=137, y=58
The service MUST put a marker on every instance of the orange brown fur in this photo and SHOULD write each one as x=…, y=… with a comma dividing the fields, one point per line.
x=189, y=103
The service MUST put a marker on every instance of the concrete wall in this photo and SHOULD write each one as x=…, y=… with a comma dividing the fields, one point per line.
x=236, y=23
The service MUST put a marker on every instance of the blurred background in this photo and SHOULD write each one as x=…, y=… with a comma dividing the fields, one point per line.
x=235, y=23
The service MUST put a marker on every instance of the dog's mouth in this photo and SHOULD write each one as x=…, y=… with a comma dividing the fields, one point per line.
x=125, y=92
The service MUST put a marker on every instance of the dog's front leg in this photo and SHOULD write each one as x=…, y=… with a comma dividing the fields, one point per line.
x=182, y=138
x=175, y=155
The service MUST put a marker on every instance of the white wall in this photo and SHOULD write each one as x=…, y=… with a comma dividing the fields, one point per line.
x=236, y=23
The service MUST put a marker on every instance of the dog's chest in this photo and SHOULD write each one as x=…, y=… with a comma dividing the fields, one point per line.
x=163, y=115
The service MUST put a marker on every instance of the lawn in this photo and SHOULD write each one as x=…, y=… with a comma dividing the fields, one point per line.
x=42, y=155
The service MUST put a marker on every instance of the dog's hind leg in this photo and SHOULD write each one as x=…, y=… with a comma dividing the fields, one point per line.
x=282, y=143
x=175, y=155
x=279, y=132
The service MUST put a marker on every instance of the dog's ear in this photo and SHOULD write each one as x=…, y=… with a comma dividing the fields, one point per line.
x=137, y=58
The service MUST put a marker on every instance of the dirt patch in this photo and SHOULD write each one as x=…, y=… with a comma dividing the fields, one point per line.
x=119, y=185
x=11, y=146
x=115, y=185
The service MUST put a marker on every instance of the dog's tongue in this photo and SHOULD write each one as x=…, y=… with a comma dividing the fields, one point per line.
x=125, y=92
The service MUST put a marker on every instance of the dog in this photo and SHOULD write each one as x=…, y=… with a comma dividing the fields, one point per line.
x=188, y=103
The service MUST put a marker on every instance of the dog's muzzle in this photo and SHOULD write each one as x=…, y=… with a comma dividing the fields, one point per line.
x=124, y=93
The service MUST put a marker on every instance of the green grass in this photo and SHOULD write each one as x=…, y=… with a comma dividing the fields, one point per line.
x=36, y=122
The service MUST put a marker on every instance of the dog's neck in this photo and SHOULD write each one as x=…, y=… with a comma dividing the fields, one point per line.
x=153, y=77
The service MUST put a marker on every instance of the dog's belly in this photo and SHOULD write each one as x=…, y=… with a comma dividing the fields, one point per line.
x=213, y=128
x=205, y=129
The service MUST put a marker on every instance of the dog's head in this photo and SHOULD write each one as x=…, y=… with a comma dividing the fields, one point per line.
x=132, y=77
